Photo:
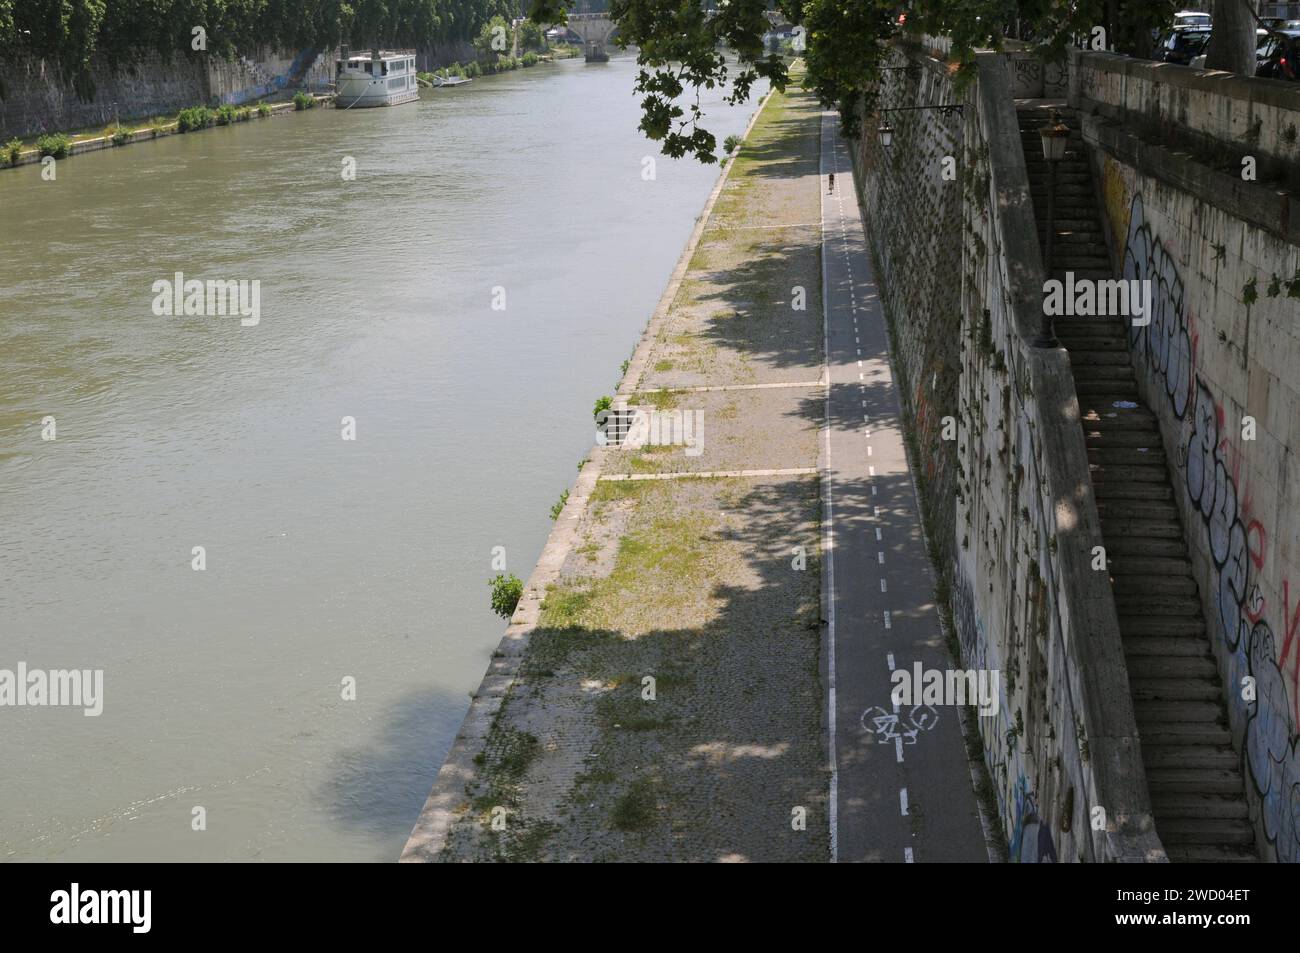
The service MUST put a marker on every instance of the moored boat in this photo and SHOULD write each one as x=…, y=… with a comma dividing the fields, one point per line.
x=377, y=78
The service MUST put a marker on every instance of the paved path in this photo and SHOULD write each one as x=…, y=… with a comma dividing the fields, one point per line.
x=901, y=784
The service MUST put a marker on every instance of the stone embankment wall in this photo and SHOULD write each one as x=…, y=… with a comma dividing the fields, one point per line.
x=430, y=58
x=36, y=99
x=1220, y=364
x=1009, y=505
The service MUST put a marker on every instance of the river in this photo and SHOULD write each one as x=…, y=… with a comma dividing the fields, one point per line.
x=326, y=559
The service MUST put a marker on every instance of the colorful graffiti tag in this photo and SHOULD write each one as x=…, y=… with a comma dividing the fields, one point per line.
x=1213, y=474
x=1031, y=837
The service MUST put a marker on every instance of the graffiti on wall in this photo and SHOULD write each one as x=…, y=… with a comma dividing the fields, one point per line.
x=1031, y=836
x=1213, y=471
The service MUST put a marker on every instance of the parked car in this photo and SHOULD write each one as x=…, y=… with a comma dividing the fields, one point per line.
x=1282, y=56
x=1261, y=44
x=1191, y=18
x=1181, y=46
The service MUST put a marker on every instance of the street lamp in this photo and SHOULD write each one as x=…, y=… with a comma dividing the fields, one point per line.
x=887, y=131
x=1054, y=136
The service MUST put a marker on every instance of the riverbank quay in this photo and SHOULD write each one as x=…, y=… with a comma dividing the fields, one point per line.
x=657, y=695
x=132, y=133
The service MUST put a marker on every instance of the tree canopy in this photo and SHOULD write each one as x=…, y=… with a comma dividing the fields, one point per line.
x=679, y=45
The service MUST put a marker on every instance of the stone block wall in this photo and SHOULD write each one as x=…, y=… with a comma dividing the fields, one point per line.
x=36, y=99
x=904, y=192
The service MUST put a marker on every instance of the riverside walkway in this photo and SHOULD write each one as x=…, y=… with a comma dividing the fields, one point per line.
x=666, y=689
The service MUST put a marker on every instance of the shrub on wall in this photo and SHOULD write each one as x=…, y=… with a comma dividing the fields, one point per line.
x=506, y=593
x=54, y=144
x=196, y=117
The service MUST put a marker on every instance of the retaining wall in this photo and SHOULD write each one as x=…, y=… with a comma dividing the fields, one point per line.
x=37, y=99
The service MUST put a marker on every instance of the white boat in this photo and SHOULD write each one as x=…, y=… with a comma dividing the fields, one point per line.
x=377, y=78
x=451, y=81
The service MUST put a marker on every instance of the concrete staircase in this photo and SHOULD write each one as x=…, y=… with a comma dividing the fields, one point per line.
x=1193, y=773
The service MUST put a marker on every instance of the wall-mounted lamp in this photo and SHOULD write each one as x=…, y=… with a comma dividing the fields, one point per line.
x=887, y=131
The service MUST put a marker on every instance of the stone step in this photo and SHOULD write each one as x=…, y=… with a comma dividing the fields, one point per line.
x=1138, y=645
x=1172, y=585
x=1190, y=627
x=1139, y=546
x=1094, y=373
x=1174, y=689
x=1085, y=330
x=1100, y=273
x=1124, y=473
x=1120, y=394
x=1066, y=259
x=1121, y=418
x=1109, y=343
x=1067, y=173
x=1066, y=207
x=1162, y=781
x=1165, y=604
x=1216, y=832
x=1075, y=213
x=1162, y=566
x=1139, y=491
x=1077, y=240
x=1086, y=223
x=1141, y=510
x=1101, y=341
x=1150, y=714
x=1078, y=190
x=1095, y=399
x=1175, y=667
x=1210, y=854
x=1090, y=322
x=1173, y=734
x=1117, y=526
x=1133, y=456
x=1190, y=756
x=1194, y=805
x=1105, y=357
x=1149, y=438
